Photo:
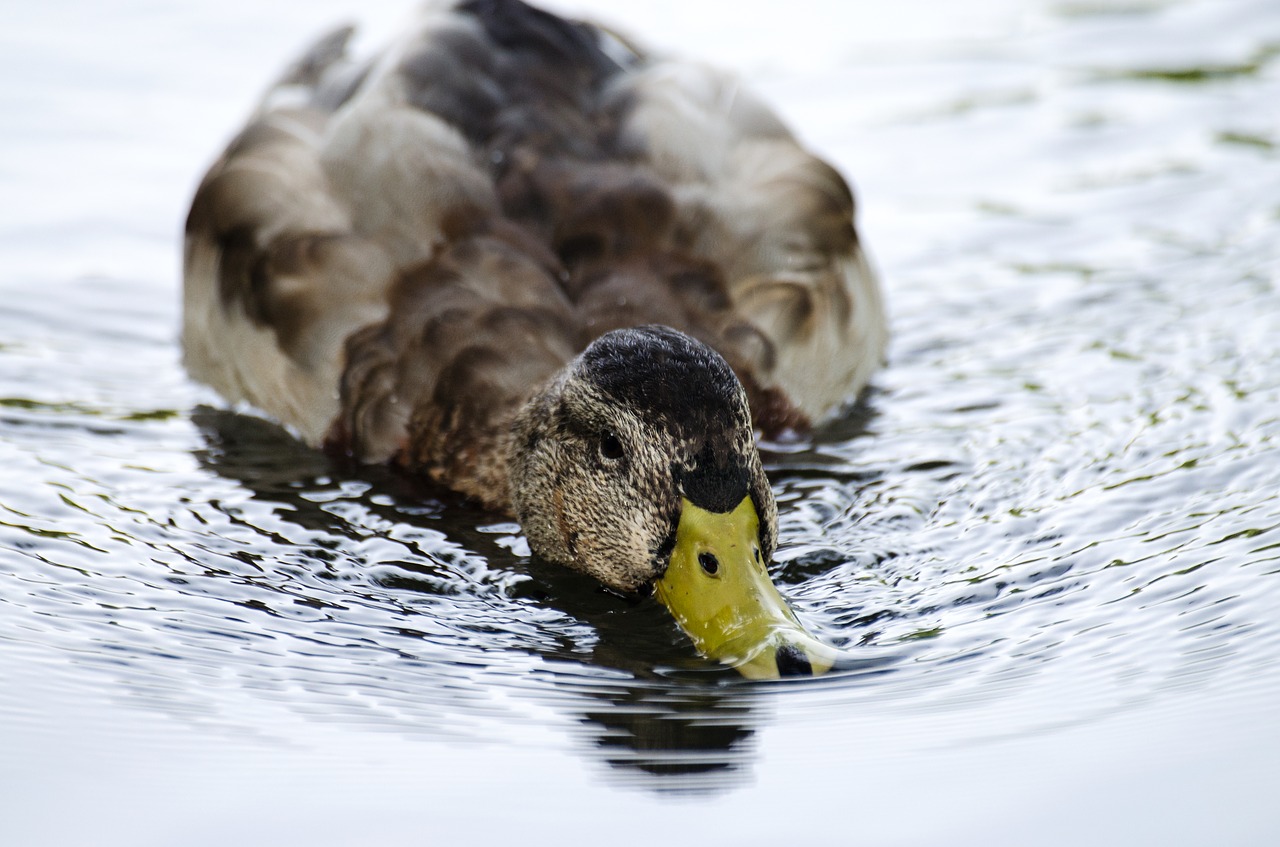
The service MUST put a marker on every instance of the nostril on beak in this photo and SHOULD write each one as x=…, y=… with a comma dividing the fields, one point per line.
x=710, y=564
x=793, y=662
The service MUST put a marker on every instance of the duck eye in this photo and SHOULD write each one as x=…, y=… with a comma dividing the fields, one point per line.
x=610, y=447
x=709, y=562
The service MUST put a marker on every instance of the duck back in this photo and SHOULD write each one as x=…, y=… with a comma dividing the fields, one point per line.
x=395, y=252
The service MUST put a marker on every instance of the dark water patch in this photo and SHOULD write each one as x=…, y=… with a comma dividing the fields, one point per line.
x=1185, y=75
x=1246, y=139
x=1109, y=9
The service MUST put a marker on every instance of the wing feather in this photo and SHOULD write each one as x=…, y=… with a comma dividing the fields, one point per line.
x=468, y=209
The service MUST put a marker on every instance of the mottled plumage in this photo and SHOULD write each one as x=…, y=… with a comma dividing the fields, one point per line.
x=396, y=254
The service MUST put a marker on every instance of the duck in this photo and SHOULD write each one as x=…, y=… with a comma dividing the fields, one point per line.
x=522, y=258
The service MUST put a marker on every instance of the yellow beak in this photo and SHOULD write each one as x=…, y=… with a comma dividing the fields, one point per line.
x=719, y=591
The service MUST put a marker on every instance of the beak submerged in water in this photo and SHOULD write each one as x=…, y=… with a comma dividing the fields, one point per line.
x=718, y=588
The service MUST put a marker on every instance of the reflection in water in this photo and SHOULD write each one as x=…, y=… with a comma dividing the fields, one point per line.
x=674, y=730
x=695, y=739
x=648, y=706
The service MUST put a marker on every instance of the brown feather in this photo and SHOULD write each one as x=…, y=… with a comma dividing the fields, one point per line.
x=395, y=255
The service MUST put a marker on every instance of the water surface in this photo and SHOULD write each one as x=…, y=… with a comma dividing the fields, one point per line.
x=1049, y=533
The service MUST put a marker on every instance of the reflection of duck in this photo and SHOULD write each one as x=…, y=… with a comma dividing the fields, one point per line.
x=694, y=739
x=404, y=260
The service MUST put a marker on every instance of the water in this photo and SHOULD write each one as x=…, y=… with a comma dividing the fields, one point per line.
x=1050, y=532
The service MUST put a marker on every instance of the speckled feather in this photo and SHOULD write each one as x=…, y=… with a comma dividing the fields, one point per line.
x=396, y=254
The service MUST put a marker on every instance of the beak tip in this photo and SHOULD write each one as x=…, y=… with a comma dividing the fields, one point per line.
x=792, y=661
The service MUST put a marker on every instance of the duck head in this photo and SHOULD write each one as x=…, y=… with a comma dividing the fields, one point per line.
x=637, y=465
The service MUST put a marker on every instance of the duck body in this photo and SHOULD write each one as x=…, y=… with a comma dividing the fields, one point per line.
x=405, y=258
